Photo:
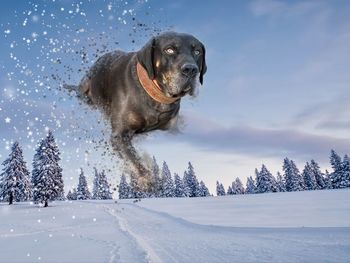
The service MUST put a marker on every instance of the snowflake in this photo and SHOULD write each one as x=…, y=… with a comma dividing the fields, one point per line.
x=7, y=120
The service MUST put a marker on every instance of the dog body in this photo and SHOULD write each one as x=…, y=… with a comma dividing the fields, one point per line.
x=141, y=91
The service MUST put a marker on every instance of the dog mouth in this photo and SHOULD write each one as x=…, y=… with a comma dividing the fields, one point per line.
x=182, y=93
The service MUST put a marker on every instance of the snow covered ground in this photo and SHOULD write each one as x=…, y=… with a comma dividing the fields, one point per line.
x=311, y=226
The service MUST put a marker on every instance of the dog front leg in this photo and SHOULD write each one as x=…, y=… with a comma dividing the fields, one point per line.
x=122, y=145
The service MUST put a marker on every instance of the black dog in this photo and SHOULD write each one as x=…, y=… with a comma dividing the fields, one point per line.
x=141, y=91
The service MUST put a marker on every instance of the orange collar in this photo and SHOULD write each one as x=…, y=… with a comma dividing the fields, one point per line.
x=151, y=86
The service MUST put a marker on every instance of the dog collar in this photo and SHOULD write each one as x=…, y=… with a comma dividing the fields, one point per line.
x=151, y=86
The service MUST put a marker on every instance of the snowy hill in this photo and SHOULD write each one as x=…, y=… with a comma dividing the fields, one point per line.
x=310, y=226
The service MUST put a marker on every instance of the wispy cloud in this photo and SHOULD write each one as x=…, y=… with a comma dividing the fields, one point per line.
x=283, y=8
x=211, y=136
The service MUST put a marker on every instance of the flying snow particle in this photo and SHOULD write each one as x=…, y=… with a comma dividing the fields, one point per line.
x=7, y=120
x=28, y=254
x=7, y=31
x=39, y=221
x=35, y=18
x=11, y=230
x=94, y=219
x=73, y=217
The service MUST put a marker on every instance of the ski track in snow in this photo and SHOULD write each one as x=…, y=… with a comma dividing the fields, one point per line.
x=151, y=256
x=177, y=240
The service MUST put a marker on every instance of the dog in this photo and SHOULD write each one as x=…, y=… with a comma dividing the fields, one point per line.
x=141, y=91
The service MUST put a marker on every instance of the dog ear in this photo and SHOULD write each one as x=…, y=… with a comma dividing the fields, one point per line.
x=145, y=57
x=203, y=66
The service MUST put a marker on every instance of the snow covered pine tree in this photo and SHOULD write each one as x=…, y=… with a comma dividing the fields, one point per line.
x=101, y=189
x=15, y=180
x=124, y=188
x=179, y=186
x=191, y=181
x=168, y=184
x=220, y=190
x=309, y=177
x=83, y=192
x=250, y=186
x=265, y=182
x=47, y=174
x=72, y=194
x=203, y=190
x=292, y=177
x=338, y=177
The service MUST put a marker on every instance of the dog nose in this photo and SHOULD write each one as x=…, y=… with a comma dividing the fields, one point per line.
x=189, y=70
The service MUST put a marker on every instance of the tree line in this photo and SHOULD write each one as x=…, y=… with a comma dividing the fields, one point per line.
x=311, y=178
x=101, y=187
x=165, y=185
x=45, y=183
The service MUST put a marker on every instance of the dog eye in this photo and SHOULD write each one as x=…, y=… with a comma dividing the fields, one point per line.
x=197, y=52
x=170, y=51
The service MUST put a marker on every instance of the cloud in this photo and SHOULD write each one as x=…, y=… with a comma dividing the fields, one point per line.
x=211, y=136
x=274, y=8
x=332, y=114
x=267, y=7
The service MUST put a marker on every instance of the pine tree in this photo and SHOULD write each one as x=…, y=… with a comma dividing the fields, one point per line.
x=47, y=178
x=292, y=176
x=105, y=191
x=96, y=185
x=134, y=190
x=346, y=171
x=319, y=177
x=168, y=184
x=124, y=188
x=52, y=152
x=337, y=175
x=309, y=178
x=250, y=186
x=203, y=190
x=229, y=190
x=281, y=184
x=72, y=194
x=101, y=189
x=265, y=182
x=185, y=182
x=328, y=180
x=239, y=186
x=179, y=186
x=234, y=190
x=220, y=190
x=83, y=192
x=191, y=181
x=157, y=182
x=14, y=180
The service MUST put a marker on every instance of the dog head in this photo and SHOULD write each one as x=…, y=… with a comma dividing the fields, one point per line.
x=176, y=61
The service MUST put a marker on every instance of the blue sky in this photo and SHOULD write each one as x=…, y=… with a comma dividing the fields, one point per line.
x=277, y=83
